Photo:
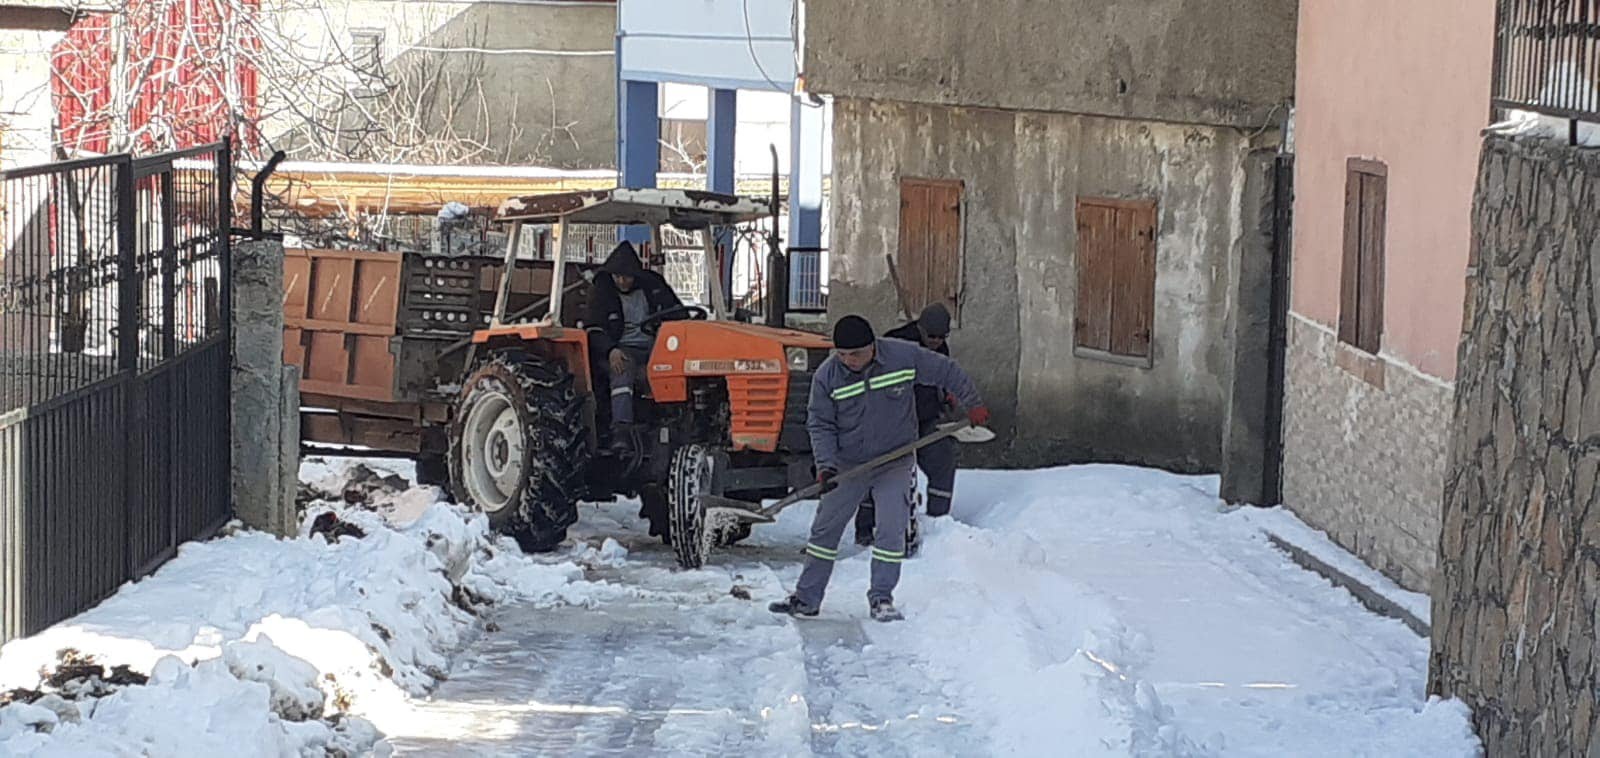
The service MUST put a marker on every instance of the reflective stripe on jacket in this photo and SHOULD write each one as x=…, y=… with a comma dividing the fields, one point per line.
x=854, y=417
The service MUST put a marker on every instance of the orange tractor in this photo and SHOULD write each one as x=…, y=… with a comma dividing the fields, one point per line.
x=724, y=404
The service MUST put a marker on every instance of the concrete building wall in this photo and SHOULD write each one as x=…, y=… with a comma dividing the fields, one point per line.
x=1220, y=62
x=546, y=70
x=1023, y=173
x=1365, y=435
x=1515, y=611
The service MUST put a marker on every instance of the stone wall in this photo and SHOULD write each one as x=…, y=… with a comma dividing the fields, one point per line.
x=1514, y=615
x=1364, y=451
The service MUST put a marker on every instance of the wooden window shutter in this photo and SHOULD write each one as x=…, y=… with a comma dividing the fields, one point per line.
x=1096, y=272
x=1116, y=263
x=928, y=262
x=1361, y=274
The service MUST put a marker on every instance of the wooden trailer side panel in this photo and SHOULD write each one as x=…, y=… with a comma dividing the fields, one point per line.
x=341, y=308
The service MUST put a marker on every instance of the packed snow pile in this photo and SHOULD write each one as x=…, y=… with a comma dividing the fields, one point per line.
x=255, y=645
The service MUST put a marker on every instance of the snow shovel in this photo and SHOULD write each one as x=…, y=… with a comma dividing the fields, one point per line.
x=744, y=510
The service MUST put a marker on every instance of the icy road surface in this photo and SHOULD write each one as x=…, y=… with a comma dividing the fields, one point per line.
x=1081, y=611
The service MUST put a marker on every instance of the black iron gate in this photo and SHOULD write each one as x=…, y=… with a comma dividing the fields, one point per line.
x=114, y=373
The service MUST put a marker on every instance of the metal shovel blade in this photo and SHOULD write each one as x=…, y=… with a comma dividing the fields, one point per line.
x=743, y=510
x=973, y=434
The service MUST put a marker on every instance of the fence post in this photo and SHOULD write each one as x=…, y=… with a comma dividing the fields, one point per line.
x=169, y=264
x=257, y=386
x=128, y=284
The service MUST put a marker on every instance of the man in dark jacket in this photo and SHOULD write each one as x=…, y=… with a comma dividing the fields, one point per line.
x=625, y=296
x=937, y=461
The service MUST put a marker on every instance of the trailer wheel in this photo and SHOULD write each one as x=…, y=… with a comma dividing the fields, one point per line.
x=690, y=475
x=518, y=448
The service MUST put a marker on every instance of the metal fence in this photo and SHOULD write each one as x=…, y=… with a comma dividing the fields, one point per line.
x=1547, y=57
x=806, y=291
x=114, y=362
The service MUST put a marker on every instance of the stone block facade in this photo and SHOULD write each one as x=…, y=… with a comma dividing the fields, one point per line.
x=1515, y=613
x=1364, y=451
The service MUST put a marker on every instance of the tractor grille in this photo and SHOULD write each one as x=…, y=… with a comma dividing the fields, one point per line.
x=757, y=411
x=794, y=436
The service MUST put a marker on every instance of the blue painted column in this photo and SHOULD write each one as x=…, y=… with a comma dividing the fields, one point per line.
x=638, y=142
x=720, y=157
x=806, y=126
x=720, y=131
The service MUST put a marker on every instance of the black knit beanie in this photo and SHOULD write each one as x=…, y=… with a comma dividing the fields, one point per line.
x=852, y=332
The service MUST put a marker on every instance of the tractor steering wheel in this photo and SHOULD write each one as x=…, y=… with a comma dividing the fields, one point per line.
x=653, y=322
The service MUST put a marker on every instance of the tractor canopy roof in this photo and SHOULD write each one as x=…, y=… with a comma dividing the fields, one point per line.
x=684, y=209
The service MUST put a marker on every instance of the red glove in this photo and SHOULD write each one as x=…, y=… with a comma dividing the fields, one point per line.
x=825, y=478
x=979, y=416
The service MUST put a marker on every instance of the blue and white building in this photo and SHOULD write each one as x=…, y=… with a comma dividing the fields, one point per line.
x=735, y=65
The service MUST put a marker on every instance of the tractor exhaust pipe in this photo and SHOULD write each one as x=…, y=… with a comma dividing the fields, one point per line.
x=777, y=300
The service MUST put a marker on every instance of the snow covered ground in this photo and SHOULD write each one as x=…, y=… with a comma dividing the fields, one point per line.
x=1081, y=611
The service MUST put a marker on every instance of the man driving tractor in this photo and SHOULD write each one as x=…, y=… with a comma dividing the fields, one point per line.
x=626, y=296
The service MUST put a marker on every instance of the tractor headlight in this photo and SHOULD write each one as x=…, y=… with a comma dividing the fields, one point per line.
x=798, y=360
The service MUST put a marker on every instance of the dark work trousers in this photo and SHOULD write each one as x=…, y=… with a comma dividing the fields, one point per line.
x=622, y=384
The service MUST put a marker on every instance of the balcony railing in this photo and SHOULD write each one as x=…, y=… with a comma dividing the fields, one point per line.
x=1547, y=57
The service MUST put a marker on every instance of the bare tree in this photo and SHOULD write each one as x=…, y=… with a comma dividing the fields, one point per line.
x=150, y=75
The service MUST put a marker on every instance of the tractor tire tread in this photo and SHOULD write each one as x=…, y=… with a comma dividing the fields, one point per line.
x=557, y=448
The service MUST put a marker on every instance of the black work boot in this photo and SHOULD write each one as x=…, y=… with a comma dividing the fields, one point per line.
x=622, y=440
x=796, y=607
x=884, y=610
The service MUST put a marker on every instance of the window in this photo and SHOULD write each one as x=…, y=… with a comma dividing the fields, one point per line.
x=366, y=60
x=928, y=266
x=1366, y=191
x=1116, y=278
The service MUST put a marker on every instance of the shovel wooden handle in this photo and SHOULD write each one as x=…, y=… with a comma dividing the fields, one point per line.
x=812, y=490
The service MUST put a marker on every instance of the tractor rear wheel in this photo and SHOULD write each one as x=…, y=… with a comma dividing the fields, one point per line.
x=518, y=448
x=690, y=476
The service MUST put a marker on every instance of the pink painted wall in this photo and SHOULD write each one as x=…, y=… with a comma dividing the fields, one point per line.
x=1405, y=82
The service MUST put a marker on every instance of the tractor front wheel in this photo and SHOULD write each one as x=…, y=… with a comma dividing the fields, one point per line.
x=518, y=448
x=690, y=476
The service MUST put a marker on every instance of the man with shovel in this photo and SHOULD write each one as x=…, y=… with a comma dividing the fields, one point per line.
x=862, y=406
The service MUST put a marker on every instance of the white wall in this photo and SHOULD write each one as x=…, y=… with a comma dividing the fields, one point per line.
x=25, y=108
x=709, y=41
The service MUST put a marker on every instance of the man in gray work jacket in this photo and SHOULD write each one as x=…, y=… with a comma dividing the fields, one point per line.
x=861, y=407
